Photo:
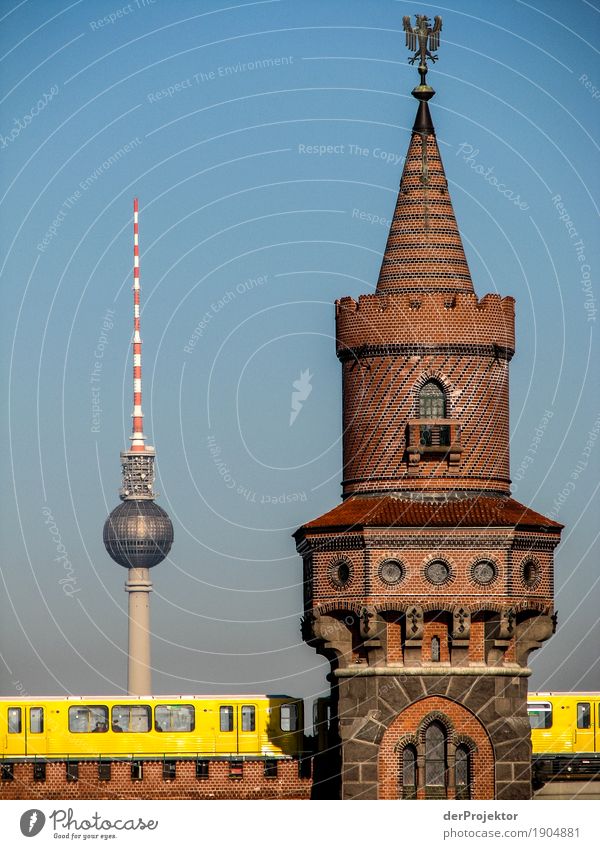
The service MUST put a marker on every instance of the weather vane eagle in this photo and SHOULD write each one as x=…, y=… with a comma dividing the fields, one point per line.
x=417, y=38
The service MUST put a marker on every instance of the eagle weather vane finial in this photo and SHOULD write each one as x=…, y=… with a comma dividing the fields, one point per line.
x=417, y=39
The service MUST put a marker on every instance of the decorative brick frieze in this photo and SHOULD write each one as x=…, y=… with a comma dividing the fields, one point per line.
x=363, y=352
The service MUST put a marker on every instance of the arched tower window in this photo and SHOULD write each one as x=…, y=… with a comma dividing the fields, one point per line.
x=462, y=772
x=435, y=761
x=435, y=649
x=432, y=401
x=409, y=773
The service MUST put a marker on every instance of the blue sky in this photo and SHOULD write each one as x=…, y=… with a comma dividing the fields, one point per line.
x=255, y=135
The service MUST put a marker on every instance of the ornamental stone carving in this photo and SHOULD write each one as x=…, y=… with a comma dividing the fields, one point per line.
x=414, y=623
x=461, y=623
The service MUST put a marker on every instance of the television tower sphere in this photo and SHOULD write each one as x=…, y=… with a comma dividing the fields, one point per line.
x=138, y=533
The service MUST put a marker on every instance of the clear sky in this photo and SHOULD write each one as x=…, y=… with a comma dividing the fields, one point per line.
x=240, y=127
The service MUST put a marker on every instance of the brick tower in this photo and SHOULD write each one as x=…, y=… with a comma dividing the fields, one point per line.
x=428, y=586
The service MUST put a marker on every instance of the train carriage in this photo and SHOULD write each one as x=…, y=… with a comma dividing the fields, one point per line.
x=565, y=735
x=184, y=726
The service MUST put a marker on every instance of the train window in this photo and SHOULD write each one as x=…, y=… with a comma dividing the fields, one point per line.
x=132, y=718
x=289, y=717
x=14, y=720
x=88, y=718
x=226, y=718
x=174, y=718
x=584, y=716
x=540, y=714
x=248, y=718
x=36, y=720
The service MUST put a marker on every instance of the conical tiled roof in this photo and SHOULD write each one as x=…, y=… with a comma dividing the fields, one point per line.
x=424, y=251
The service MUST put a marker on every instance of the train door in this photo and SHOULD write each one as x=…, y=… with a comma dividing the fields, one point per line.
x=36, y=731
x=227, y=741
x=206, y=731
x=585, y=727
x=248, y=729
x=14, y=732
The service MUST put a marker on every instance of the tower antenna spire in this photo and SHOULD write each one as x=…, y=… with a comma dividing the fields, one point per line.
x=138, y=440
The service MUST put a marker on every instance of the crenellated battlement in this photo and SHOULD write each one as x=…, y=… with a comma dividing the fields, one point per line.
x=425, y=320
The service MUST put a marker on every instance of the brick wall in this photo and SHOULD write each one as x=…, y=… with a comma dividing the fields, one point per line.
x=251, y=784
x=380, y=396
x=462, y=549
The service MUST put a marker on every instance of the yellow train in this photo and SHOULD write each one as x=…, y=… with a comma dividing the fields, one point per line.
x=178, y=726
x=565, y=729
x=565, y=734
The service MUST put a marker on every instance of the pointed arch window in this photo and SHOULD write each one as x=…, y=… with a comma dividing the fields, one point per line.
x=409, y=772
x=462, y=772
x=436, y=764
x=435, y=649
x=436, y=761
x=432, y=401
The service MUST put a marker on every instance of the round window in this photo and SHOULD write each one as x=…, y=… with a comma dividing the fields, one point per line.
x=438, y=572
x=391, y=571
x=340, y=573
x=483, y=572
x=531, y=573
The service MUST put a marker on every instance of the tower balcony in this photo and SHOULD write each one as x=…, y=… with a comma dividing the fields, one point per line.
x=433, y=437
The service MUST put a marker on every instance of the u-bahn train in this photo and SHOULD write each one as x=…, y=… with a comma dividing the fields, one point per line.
x=565, y=735
x=565, y=729
x=85, y=727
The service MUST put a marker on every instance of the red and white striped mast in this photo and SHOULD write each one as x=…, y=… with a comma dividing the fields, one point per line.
x=138, y=462
x=138, y=441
